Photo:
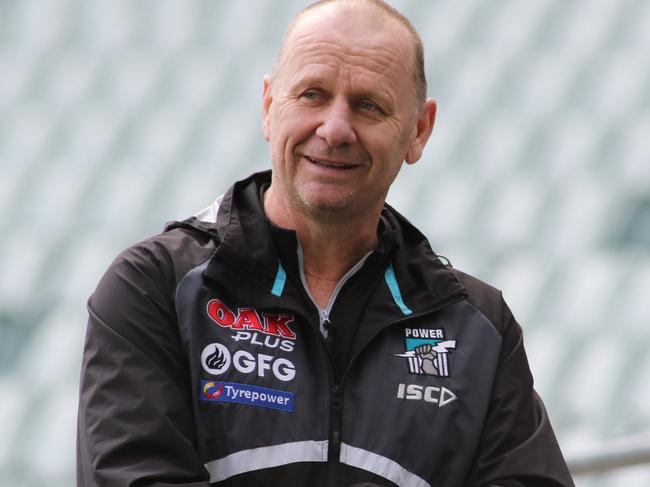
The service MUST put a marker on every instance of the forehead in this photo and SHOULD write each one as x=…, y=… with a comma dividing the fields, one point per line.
x=350, y=39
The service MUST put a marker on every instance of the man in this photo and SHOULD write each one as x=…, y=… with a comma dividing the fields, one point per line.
x=301, y=332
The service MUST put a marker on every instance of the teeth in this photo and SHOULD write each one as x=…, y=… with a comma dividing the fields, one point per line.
x=330, y=164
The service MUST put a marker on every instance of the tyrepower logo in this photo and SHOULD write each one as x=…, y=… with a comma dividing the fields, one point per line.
x=431, y=394
x=274, y=324
x=216, y=359
x=211, y=390
x=235, y=392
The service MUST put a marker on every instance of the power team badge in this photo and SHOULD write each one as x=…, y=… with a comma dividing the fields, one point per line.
x=427, y=351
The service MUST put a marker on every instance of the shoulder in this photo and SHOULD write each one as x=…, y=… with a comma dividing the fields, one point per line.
x=489, y=301
x=135, y=300
x=170, y=254
x=154, y=266
x=485, y=298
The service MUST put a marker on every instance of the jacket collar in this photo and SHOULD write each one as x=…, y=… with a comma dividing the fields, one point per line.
x=254, y=254
x=423, y=279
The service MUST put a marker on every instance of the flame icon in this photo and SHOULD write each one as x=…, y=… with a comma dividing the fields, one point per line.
x=216, y=360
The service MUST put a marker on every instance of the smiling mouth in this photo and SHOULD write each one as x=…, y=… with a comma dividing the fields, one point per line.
x=331, y=164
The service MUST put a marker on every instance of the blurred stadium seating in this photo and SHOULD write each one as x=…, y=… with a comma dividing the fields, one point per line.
x=118, y=116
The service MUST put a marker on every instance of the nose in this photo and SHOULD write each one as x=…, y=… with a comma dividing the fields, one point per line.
x=336, y=126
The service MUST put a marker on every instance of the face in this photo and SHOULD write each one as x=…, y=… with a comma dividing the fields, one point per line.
x=341, y=115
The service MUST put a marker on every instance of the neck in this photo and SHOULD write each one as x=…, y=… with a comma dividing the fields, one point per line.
x=331, y=245
x=330, y=252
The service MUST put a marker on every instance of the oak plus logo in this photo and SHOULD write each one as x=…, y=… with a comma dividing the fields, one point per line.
x=273, y=324
x=216, y=359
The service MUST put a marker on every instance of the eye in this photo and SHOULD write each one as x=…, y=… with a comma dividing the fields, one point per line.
x=369, y=106
x=312, y=95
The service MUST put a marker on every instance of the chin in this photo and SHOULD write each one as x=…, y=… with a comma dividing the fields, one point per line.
x=328, y=205
x=325, y=197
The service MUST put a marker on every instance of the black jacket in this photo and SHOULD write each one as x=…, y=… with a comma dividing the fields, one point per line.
x=206, y=362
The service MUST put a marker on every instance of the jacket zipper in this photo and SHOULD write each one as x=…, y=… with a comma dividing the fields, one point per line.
x=325, y=326
x=324, y=313
x=335, y=425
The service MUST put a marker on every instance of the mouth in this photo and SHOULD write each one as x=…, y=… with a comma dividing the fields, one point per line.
x=331, y=164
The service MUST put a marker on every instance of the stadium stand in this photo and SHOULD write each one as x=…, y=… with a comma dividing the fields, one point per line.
x=116, y=117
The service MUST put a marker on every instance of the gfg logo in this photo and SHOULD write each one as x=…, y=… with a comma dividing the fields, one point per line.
x=435, y=395
x=216, y=359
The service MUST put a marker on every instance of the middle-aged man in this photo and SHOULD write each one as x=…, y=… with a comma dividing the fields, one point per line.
x=301, y=332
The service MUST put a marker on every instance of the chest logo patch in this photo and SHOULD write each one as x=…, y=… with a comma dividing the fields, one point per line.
x=237, y=393
x=427, y=351
x=272, y=324
x=217, y=359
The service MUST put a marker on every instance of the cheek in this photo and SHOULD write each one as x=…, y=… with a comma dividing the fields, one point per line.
x=289, y=127
x=383, y=147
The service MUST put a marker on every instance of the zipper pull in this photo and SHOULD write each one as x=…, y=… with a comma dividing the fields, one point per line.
x=326, y=328
x=325, y=320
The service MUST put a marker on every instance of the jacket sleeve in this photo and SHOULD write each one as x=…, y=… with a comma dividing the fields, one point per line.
x=518, y=447
x=135, y=421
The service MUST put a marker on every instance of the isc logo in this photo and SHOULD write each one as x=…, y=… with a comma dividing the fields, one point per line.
x=435, y=395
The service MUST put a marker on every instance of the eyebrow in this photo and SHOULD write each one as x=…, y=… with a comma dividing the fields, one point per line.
x=380, y=96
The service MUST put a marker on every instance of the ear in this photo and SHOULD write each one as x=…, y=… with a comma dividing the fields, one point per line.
x=267, y=99
x=423, y=129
